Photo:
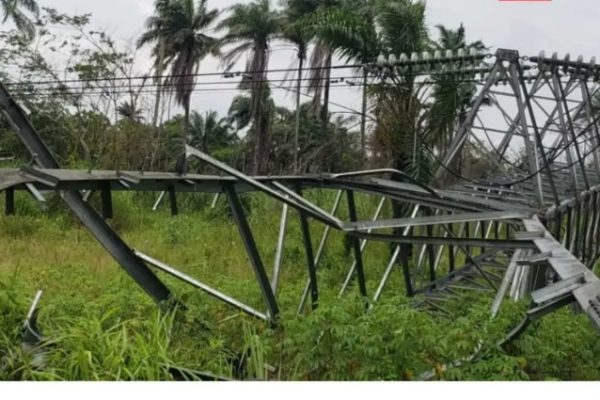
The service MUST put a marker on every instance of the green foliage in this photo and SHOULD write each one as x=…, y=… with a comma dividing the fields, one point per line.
x=251, y=27
x=19, y=227
x=20, y=12
x=338, y=341
x=94, y=349
x=102, y=124
x=561, y=346
x=184, y=25
x=100, y=326
x=335, y=149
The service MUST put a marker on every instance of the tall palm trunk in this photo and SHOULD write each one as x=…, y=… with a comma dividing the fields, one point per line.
x=297, y=128
x=261, y=151
x=183, y=162
x=363, y=118
x=260, y=135
x=159, y=71
x=325, y=109
x=186, y=128
x=205, y=134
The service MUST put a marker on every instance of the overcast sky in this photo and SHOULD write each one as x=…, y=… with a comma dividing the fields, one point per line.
x=566, y=26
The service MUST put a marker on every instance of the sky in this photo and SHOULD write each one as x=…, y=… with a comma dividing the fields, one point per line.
x=564, y=26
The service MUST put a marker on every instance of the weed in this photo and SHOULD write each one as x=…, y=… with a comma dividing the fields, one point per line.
x=101, y=326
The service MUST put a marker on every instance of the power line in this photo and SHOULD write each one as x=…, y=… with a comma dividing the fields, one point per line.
x=49, y=92
x=233, y=74
x=341, y=79
x=131, y=89
x=100, y=92
x=17, y=95
x=226, y=74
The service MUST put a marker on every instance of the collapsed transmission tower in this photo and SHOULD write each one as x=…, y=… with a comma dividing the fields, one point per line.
x=529, y=225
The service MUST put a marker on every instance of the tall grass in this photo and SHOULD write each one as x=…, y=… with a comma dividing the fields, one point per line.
x=100, y=326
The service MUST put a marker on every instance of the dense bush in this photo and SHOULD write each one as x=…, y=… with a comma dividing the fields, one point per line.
x=100, y=325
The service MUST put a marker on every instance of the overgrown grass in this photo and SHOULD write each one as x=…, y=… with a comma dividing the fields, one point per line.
x=101, y=326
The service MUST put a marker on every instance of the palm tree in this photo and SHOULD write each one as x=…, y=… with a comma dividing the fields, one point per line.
x=399, y=105
x=452, y=95
x=359, y=31
x=183, y=25
x=13, y=10
x=320, y=77
x=349, y=29
x=240, y=112
x=155, y=33
x=322, y=55
x=251, y=27
x=210, y=133
x=128, y=110
x=295, y=12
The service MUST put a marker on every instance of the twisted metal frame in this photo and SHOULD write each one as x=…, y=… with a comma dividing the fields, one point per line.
x=531, y=226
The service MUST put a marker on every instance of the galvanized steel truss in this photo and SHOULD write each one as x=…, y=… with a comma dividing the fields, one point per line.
x=531, y=226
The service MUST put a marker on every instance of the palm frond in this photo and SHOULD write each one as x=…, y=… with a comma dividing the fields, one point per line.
x=182, y=24
x=402, y=25
x=14, y=10
x=452, y=96
x=128, y=110
x=351, y=34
